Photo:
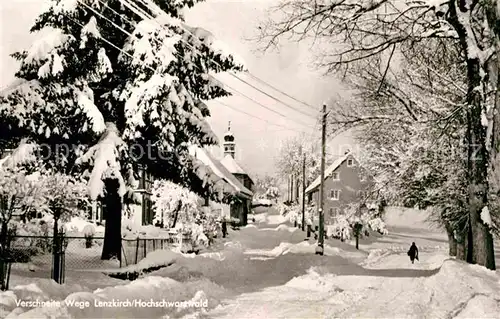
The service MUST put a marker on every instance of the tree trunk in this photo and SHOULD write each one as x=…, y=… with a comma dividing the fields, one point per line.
x=479, y=240
x=461, y=251
x=452, y=242
x=112, y=246
x=176, y=214
x=4, y=235
x=297, y=190
x=461, y=239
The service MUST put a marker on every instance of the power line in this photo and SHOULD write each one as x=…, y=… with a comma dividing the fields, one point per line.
x=272, y=97
x=155, y=7
x=266, y=107
x=254, y=116
x=144, y=14
x=278, y=90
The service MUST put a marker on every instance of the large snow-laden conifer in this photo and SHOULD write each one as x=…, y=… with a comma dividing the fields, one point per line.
x=146, y=89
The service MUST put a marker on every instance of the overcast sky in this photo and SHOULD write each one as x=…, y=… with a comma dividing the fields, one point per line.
x=233, y=22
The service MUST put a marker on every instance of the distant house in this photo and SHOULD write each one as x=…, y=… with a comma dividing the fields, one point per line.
x=238, y=208
x=234, y=178
x=138, y=205
x=230, y=163
x=345, y=183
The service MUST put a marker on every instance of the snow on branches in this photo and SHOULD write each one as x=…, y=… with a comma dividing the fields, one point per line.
x=173, y=204
x=178, y=208
x=105, y=86
x=21, y=191
x=290, y=158
x=105, y=159
x=356, y=220
x=26, y=186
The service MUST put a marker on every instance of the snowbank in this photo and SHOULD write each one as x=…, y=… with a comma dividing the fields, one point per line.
x=431, y=257
x=282, y=227
x=77, y=224
x=262, y=202
x=457, y=290
x=304, y=247
x=153, y=261
x=151, y=297
x=260, y=218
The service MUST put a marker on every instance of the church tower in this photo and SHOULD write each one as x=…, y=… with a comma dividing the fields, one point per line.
x=229, y=144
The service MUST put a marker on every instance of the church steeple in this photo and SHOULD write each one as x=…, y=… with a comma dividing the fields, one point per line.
x=229, y=144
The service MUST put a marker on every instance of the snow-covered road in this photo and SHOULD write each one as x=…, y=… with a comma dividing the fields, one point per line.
x=269, y=270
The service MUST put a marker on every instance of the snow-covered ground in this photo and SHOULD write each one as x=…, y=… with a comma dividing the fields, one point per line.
x=269, y=270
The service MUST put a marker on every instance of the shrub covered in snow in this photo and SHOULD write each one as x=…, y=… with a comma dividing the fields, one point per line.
x=179, y=209
x=356, y=220
x=39, y=242
x=340, y=229
x=88, y=233
x=173, y=204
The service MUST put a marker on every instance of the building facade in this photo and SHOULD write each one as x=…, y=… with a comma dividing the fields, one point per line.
x=137, y=203
x=242, y=195
x=345, y=183
x=241, y=208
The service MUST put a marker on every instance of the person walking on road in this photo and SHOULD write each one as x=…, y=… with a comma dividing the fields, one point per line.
x=413, y=252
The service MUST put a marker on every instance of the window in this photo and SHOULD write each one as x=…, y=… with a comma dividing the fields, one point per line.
x=334, y=211
x=334, y=194
x=350, y=162
x=335, y=176
x=147, y=210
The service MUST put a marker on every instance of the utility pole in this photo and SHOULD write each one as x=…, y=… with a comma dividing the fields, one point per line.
x=303, y=190
x=321, y=239
x=296, y=197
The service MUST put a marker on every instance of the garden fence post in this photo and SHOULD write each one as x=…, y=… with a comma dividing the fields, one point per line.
x=136, y=249
x=123, y=252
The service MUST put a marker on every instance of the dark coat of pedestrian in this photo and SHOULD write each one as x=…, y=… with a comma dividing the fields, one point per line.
x=413, y=252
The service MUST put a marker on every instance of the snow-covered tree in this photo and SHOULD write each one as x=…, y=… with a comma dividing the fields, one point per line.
x=177, y=207
x=65, y=196
x=266, y=187
x=289, y=161
x=369, y=29
x=28, y=187
x=21, y=189
x=173, y=204
x=113, y=85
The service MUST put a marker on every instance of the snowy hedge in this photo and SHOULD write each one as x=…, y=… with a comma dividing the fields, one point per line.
x=355, y=218
x=178, y=208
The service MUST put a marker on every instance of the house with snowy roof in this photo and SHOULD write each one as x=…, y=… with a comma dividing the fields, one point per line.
x=345, y=183
x=226, y=183
x=230, y=163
